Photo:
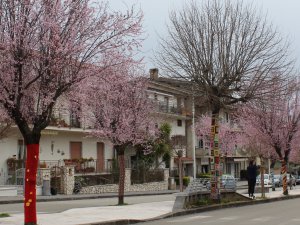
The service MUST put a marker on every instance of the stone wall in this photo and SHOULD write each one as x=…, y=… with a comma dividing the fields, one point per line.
x=153, y=186
x=68, y=180
x=100, y=189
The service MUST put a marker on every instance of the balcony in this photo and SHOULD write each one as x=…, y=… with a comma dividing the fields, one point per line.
x=202, y=152
x=178, y=141
x=167, y=108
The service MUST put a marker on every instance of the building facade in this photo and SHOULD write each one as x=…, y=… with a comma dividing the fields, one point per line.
x=67, y=137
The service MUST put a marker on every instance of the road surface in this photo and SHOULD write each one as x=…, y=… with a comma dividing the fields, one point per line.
x=284, y=212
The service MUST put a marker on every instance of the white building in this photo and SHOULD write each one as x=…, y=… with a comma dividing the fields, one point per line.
x=67, y=137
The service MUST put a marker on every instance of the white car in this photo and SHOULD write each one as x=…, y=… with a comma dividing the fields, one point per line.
x=227, y=182
x=276, y=180
x=267, y=180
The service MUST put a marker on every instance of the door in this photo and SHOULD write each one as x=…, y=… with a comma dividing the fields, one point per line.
x=100, y=157
x=76, y=153
x=75, y=150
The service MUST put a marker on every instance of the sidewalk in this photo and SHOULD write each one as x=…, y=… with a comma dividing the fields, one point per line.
x=139, y=212
x=19, y=199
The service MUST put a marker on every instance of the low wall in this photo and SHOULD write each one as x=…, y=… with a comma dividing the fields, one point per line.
x=154, y=186
x=109, y=188
x=98, y=189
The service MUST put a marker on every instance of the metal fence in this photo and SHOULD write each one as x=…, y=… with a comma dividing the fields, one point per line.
x=17, y=177
x=140, y=176
x=97, y=179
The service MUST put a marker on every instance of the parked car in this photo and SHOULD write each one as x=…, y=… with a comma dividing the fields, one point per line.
x=291, y=180
x=228, y=182
x=297, y=179
x=276, y=180
x=267, y=180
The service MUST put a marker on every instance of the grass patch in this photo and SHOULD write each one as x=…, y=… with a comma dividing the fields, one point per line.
x=207, y=201
x=2, y=215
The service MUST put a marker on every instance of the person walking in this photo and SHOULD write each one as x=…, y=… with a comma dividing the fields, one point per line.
x=251, y=175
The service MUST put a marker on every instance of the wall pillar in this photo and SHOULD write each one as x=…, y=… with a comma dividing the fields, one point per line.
x=44, y=174
x=68, y=180
x=44, y=180
x=166, y=174
x=127, y=179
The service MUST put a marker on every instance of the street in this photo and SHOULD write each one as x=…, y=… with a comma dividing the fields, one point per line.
x=59, y=206
x=277, y=213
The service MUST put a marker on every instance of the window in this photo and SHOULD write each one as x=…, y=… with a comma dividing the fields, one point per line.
x=179, y=123
x=201, y=143
x=21, y=150
x=226, y=117
x=166, y=100
x=74, y=117
x=155, y=96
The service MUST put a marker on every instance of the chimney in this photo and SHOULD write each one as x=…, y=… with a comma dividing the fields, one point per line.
x=153, y=74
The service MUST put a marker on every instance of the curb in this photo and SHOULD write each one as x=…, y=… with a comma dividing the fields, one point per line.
x=197, y=210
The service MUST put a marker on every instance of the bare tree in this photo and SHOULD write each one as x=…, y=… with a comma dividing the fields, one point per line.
x=228, y=51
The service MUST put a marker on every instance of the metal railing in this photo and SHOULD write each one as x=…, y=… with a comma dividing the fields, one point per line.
x=204, y=184
x=90, y=166
x=202, y=151
x=167, y=108
x=141, y=176
x=18, y=177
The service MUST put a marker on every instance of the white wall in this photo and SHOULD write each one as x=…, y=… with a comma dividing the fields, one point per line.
x=8, y=148
x=176, y=130
x=61, y=141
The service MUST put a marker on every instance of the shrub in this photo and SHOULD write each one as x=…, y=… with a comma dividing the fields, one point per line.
x=186, y=181
x=2, y=215
x=204, y=175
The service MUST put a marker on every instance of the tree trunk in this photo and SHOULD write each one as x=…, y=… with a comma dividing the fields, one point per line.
x=215, y=154
x=262, y=178
x=284, y=176
x=32, y=160
x=180, y=174
x=121, y=150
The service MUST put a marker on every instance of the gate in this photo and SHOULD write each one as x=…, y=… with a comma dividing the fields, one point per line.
x=56, y=179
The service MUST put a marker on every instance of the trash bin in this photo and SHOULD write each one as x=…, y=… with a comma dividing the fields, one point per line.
x=46, y=188
x=172, y=185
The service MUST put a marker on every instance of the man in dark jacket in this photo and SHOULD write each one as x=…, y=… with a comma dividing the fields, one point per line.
x=251, y=175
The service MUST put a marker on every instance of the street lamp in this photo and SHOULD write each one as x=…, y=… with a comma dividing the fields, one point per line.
x=193, y=135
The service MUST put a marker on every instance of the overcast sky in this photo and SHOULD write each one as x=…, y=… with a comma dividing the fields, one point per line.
x=284, y=14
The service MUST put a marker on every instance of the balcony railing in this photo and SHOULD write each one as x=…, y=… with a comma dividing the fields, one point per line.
x=167, y=108
x=201, y=152
x=178, y=141
x=87, y=166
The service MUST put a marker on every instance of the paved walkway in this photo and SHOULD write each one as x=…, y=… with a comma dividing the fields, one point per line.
x=104, y=214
